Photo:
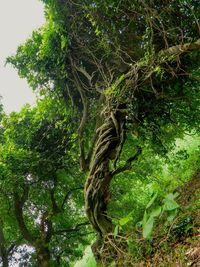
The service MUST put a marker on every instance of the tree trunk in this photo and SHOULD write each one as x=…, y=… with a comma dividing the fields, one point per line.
x=97, y=194
x=4, y=258
x=3, y=250
x=43, y=255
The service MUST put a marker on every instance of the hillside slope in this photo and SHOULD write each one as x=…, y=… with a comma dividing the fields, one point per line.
x=181, y=246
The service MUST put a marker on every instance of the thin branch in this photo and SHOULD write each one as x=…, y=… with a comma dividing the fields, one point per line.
x=70, y=95
x=83, y=120
x=46, y=227
x=127, y=165
x=67, y=196
x=85, y=73
x=80, y=234
x=75, y=228
x=55, y=207
x=11, y=248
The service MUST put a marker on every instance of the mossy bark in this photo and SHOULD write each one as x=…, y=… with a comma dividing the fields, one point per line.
x=97, y=193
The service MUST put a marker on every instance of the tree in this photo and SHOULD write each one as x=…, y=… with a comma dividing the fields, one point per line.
x=125, y=67
x=40, y=189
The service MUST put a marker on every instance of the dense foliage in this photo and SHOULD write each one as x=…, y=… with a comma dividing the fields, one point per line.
x=118, y=83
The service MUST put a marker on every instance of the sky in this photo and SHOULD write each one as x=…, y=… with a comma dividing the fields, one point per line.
x=18, y=18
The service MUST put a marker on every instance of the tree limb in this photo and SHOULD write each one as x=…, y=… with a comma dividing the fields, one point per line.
x=75, y=228
x=46, y=227
x=55, y=207
x=18, y=207
x=127, y=165
x=69, y=194
x=179, y=49
x=83, y=164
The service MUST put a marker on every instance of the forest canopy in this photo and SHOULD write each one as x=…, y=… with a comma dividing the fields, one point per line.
x=118, y=86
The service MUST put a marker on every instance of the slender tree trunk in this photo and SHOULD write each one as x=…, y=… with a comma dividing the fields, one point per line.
x=4, y=258
x=97, y=194
x=43, y=255
x=3, y=250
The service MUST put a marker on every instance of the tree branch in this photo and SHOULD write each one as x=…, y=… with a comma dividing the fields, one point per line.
x=83, y=164
x=46, y=227
x=69, y=194
x=75, y=228
x=11, y=247
x=55, y=207
x=18, y=205
x=127, y=165
x=180, y=49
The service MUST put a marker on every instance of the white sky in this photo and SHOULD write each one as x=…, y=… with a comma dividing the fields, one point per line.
x=18, y=18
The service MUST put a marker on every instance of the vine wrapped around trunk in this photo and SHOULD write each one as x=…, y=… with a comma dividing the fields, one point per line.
x=97, y=194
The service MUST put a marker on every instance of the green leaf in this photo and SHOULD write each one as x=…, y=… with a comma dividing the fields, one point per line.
x=156, y=211
x=116, y=231
x=63, y=42
x=152, y=200
x=125, y=220
x=148, y=227
x=172, y=196
x=171, y=215
x=170, y=204
x=176, y=194
x=145, y=218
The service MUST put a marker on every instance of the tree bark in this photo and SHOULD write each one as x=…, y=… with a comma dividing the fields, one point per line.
x=97, y=194
x=40, y=244
x=19, y=202
x=43, y=254
x=3, y=250
x=4, y=257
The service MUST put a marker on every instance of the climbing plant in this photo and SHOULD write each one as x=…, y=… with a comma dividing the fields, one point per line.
x=126, y=68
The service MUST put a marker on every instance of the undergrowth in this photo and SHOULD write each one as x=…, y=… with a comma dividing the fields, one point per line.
x=157, y=217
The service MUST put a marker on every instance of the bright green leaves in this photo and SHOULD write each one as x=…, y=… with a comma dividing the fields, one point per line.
x=147, y=226
x=54, y=38
x=157, y=210
x=42, y=59
x=116, y=87
x=64, y=42
x=122, y=222
x=169, y=202
x=126, y=219
x=116, y=231
x=149, y=217
x=36, y=153
x=85, y=49
x=152, y=200
x=148, y=221
x=154, y=210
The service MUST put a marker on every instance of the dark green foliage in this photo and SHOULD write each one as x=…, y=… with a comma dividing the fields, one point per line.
x=35, y=156
x=134, y=64
x=183, y=227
